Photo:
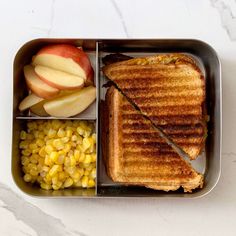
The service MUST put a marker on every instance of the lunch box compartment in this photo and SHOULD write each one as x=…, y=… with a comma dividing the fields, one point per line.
x=208, y=163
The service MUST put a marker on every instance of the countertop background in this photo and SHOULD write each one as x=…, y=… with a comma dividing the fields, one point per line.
x=211, y=21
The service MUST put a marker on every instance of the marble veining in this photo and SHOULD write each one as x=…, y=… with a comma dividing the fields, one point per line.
x=227, y=18
x=51, y=18
x=120, y=15
x=42, y=223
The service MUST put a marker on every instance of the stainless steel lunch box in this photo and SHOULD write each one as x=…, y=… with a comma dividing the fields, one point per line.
x=209, y=163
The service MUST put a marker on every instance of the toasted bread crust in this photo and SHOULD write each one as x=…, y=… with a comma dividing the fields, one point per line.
x=169, y=88
x=156, y=167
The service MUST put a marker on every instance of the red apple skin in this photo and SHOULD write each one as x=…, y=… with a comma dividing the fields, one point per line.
x=76, y=54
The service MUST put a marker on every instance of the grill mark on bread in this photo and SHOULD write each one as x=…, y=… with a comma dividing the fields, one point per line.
x=164, y=119
x=153, y=111
x=169, y=129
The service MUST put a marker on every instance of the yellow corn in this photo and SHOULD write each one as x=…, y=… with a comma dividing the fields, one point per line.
x=27, y=178
x=82, y=157
x=25, y=160
x=93, y=173
x=91, y=183
x=58, y=144
x=68, y=182
x=84, y=181
x=59, y=154
x=26, y=152
x=23, y=145
x=87, y=159
x=54, y=156
x=48, y=149
x=69, y=133
x=42, y=152
x=61, y=133
x=52, y=133
x=34, y=158
x=54, y=170
x=45, y=186
x=67, y=147
x=77, y=155
x=40, y=142
x=23, y=135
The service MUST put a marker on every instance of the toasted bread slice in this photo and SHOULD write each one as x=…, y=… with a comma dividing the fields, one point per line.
x=135, y=154
x=170, y=90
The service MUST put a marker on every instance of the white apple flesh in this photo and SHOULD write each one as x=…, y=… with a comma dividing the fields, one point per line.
x=37, y=86
x=29, y=101
x=38, y=109
x=72, y=104
x=59, y=79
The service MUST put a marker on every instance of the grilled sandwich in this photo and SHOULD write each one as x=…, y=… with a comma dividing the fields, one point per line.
x=135, y=154
x=170, y=90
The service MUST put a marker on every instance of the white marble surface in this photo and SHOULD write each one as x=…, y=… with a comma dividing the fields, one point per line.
x=212, y=21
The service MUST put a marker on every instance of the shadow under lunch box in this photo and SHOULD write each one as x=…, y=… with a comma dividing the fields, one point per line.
x=208, y=163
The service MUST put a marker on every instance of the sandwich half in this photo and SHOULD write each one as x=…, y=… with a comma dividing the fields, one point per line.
x=170, y=90
x=135, y=154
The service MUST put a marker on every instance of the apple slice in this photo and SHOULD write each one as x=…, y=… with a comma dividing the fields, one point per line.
x=72, y=104
x=59, y=79
x=38, y=109
x=67, y=58
x=37, y=86
x=29, y=101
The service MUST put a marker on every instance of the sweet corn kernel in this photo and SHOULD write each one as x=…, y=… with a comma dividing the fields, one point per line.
x=33, y=172
x=86, y=172
x=91, y=183
x=84, y=181
x=68, y=182
x=52, y=133
x=33, y=146
x=54, y=156
x=36, y=150
x=94, y=157
x=40, y=142
x=48, y=161
x=57, y=186
x=58, y=144
x=69, y=133
x=61, y=133
x=48, y=149
x=26, y=152
x=67, y=147
x=93, y=173
x=61, y=176
x=25, y=160
x=23, y=135
x=27, y=178
x=78, y=183
x=72, y=161
x=54, y=170
x=56, y=124
x=45, y=186
x=34, y=158
x=87, y=159
x=42, y=152
x=49, y=142
x=77, y=155
x=82, y=157
x=86, y=144
x=23, y=145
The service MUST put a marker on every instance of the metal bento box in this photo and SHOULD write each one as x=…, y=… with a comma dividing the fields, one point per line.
x=208, y=163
